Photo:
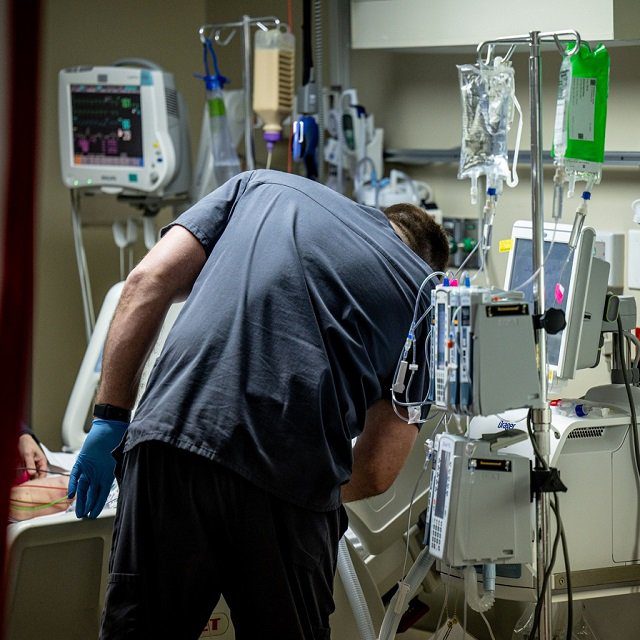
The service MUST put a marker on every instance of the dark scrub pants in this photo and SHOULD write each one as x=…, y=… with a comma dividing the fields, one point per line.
x=188, y=530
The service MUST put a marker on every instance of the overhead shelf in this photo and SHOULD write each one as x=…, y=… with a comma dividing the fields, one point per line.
x=451, y=156
x=446, y=24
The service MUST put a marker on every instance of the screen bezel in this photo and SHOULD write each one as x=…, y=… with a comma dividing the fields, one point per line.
x=566, y=366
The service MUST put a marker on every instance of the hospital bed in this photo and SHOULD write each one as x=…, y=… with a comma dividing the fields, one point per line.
x=58, y=565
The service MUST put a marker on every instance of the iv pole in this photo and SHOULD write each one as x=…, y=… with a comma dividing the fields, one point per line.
x=215, y=35
x=541, y=412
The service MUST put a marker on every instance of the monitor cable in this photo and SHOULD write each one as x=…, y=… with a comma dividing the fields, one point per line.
x=632, y=404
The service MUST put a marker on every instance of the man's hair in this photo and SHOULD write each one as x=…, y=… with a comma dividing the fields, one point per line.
x=421, y=233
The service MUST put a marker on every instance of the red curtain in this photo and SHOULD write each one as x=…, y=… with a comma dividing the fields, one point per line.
x=20, y=57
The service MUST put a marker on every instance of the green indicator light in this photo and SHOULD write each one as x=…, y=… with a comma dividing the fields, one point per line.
x=133, y=177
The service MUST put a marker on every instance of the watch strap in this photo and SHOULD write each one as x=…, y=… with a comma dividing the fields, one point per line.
x=111, y=412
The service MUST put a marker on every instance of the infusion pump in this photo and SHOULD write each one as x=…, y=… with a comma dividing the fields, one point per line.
x=122, y=130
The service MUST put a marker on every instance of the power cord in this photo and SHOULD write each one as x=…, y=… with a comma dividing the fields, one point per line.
x=560, y=536
x=632, y=404
x=555, y=505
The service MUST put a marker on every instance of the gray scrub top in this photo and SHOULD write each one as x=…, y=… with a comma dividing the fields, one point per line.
x=292, y=330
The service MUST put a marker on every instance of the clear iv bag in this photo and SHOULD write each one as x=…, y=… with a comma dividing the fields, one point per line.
x=487, y=94
x=226, y=163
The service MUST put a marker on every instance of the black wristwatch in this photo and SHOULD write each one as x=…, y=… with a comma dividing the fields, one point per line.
x=110, y=412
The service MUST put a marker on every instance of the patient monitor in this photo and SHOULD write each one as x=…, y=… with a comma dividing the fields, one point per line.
x=123, y=129
x=575, y=281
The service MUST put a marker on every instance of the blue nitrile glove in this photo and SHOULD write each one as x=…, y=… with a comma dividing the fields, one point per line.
x=92, y=474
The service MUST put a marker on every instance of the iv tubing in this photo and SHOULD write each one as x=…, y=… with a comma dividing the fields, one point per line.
x=534, y=275
x=477, y=603
x=83, y=270
x=354, y=593
x=412, y=582
x=319, y=64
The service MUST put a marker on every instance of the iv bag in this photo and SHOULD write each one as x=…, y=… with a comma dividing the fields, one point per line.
x=225, y=158
x=487, y=94
x=581, y=114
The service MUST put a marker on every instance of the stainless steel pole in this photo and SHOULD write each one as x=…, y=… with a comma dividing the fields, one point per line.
x=248, y=103
x=541, y=414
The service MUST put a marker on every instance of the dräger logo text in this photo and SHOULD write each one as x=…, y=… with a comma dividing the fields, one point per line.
x=503, y=424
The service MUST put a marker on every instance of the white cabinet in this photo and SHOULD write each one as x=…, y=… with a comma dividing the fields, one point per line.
x=438, y=24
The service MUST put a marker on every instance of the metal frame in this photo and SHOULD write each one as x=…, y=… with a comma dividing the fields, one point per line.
x=541, y=412
x=630, y=159
x=215, y=34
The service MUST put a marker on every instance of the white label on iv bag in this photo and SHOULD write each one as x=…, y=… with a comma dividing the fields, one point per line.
x=582, y=108
x=559, y=130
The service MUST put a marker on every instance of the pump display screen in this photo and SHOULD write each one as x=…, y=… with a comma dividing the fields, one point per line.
x=443, y=479
x=106, y=125
x=556, y=270
x=441, y=333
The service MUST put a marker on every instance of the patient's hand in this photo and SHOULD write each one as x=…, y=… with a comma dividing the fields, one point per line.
x=39, y=497
x=32, y=457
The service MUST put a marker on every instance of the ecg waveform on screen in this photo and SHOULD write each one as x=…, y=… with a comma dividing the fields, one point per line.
x=107, y=128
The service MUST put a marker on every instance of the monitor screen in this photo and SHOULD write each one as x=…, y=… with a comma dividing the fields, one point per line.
x=443, y=479
x=556, y=270
x=106, y=125
x=442, y=314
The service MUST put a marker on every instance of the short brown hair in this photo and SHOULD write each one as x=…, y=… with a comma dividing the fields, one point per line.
x=421, y=233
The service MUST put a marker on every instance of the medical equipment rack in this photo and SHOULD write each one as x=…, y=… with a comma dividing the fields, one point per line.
x=214, y=33
x=541, y=415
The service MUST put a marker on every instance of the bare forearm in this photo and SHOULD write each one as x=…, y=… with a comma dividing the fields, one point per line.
x=379, y=453
x=132, y=334
x=165, y=275
x=373, y=473
x=358, y=488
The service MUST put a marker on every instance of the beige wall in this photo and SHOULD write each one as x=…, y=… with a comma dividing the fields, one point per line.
x=415, y=98
x=91, y=32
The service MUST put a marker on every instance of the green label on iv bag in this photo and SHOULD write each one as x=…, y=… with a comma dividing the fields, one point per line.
x=216, y=107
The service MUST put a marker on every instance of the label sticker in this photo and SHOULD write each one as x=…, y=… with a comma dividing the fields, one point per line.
x=582, y=109
x=504, y=246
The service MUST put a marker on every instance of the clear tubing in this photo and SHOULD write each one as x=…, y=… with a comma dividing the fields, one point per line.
x=474, y=600
x=411, y=583
x=578, y=223
x=318, y=54
x=81, y=260
x=488, y=625
x=512, y=179
x=425, y=282
x=352, y=588
x=534, y=275
x=558, y=193
x=464, y=263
